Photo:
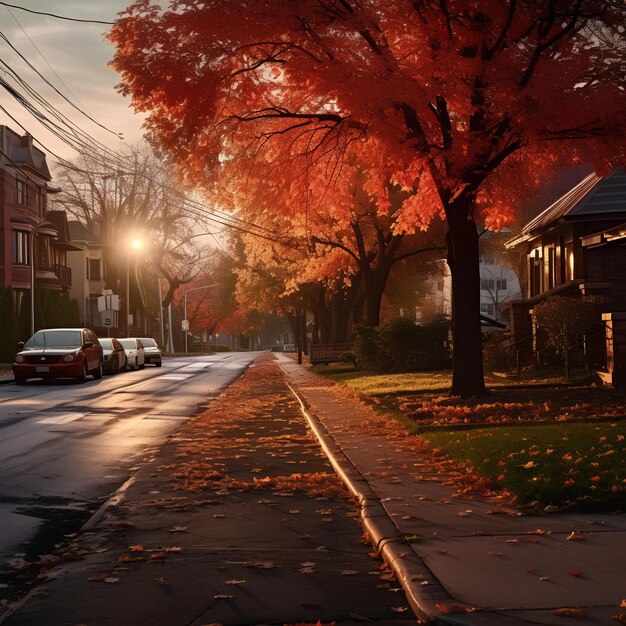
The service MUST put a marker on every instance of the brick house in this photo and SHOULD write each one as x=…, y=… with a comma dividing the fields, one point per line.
x=27, y=236
x=575, y=247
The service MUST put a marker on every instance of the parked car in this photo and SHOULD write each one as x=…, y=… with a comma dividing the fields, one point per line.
x=289, y=347
x=114, y=355
x=152, y=351
x=135, y=357
x=59, y=353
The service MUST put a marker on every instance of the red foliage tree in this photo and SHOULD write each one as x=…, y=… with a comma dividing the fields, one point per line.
x=464, y=105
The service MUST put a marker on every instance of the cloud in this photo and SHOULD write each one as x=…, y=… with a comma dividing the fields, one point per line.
x=79, y=55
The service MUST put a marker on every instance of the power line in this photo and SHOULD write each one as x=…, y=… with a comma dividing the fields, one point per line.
x=45, y=60
x=58, y=17
x=32, y=67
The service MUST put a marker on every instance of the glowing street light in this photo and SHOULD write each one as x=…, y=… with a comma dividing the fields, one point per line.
x=133, y=247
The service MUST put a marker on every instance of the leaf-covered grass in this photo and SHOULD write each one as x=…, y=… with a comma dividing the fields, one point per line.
x=580, y=463
x=374, y=384
x=439, y=381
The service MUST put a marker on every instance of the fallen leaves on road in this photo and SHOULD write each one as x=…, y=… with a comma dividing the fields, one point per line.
x=577, y=612
x=447, y=609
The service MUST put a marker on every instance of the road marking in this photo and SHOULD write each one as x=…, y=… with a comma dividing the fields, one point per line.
x=64, y=419
x=175, y=377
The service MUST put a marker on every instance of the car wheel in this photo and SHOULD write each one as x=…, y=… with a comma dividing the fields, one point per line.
x=142, y=366
x=97, y=373
x=158, y=364
x=83, y=377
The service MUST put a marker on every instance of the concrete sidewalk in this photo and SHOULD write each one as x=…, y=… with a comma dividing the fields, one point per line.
x=156, y=555
x=460, y=560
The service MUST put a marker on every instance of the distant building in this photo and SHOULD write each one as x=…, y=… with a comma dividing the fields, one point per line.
x=88, y=271
x=498, y=286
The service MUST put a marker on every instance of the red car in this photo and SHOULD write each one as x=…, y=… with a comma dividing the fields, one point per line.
x=59, y=353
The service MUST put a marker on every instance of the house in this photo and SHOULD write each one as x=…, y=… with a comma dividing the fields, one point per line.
x=498, y=286
x=575, y=247
x=32, y=246
x=88, y=271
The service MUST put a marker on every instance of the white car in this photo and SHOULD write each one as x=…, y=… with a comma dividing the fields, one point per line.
x=135, y=356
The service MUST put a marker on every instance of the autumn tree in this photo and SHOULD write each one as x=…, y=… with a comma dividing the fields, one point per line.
x=134, y=198
x=455, y=101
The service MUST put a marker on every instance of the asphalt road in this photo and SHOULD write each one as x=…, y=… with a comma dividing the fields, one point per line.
x=238, y=519
x=65, y=447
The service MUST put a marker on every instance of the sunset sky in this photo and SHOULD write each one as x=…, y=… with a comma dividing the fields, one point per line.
x=79, y=54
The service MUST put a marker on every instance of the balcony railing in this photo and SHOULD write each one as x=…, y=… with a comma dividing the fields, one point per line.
x=64, y=274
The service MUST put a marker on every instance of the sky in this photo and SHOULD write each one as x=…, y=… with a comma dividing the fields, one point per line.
x=79, y=54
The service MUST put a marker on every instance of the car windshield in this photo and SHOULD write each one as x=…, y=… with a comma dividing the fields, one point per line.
x=106, y=343
x=54, y=339
x=149, y=343
x=128, y=343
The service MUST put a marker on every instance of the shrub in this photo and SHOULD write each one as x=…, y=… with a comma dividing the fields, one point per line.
x=8, y=336
x=367, y=347
x=403, y=346
x=499, y=352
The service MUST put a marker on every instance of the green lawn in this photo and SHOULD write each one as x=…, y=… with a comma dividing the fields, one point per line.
x=376, y=384
x=582, y=463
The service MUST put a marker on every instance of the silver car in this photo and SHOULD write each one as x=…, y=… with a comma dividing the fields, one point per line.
x=135, y=358
x=152, y=351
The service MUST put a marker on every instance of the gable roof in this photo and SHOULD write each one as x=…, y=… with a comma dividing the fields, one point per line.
x=594, y=195
x=80, y=233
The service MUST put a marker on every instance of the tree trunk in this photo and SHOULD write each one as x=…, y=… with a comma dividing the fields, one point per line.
x=463, y=260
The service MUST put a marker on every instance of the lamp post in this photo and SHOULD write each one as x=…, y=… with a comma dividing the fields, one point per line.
x=185, y=305
x=33, y=232
x=134, y=245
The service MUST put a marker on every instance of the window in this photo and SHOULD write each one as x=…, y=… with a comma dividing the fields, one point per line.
x=20, y=189
x=501, y=284
x=41, y=201
x=21, y=254
x=93, y=269
x=488, y=309
x=486, y=284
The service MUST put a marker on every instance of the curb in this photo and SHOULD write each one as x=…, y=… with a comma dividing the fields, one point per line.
x=408, y=567
x=6, y=380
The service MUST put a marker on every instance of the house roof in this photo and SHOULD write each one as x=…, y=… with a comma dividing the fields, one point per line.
x=79, y=232
x=59, y=219
x=593, y=196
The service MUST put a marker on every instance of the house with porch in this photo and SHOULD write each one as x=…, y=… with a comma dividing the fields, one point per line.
x=575, y=247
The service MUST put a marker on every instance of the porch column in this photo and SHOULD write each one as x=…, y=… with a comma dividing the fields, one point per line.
x=615, y=327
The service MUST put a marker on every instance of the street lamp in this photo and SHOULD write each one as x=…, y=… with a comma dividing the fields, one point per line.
x=33, y=232
x=134, y=246
x=185, y=306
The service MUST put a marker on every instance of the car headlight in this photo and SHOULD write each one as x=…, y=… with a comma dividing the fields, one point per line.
x=19, y=358
x=68, y=358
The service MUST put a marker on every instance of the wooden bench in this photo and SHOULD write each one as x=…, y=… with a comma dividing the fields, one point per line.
x=332, y=353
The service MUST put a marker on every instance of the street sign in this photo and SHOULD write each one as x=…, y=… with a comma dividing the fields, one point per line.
x=107, y=317
x=185, y=325
x=108, y=301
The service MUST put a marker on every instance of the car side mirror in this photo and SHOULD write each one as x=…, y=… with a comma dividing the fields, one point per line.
x=20, y=345
x=87, y=344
